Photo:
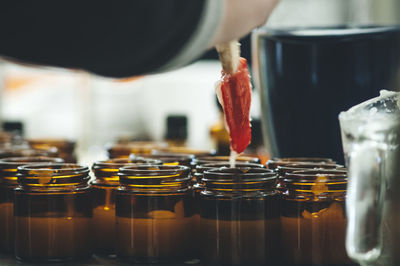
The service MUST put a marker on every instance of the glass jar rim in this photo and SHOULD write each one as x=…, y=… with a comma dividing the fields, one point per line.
x=166, y=158
x=52, y=141
x=150, y=170
x=164, y=155
x=332, y=175
x=240, y=173
x=184, y=150
x=120, y=162
x=134, y=145
x=275, y=162
x=54, y=169
x=204, y=167
x=218, y=158
x=302, y=159
x=17, y=161
x=308, y=166
x=25, y=152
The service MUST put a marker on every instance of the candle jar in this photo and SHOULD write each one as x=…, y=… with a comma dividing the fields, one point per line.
x=168, y=158
x=53, y=211
x=8, y=181
x=185, y=150
x=104, y=188
x=215, y=159
x=65, y=148
x=313, y=217
x=155, y=214
x=28, y=152
x=239, y=217
x=290, y=167
x=201, y=168
x=123, y=150
x=275, y=162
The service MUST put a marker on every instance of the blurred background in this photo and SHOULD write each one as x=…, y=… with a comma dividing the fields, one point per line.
x=93, y=111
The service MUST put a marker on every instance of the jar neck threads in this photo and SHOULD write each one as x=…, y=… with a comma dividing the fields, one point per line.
x=155, y=178
x=53, y=176
x=239, y=180
x=106, y=172
x=317, y=184
x=8, y=166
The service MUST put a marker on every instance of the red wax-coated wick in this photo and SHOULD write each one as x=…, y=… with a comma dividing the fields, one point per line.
x=235, y=97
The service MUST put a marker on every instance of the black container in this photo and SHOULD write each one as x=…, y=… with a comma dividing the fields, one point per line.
x=308, y=75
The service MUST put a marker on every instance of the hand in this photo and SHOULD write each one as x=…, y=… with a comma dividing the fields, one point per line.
x=240, y=17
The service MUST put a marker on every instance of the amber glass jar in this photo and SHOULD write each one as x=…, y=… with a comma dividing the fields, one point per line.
x=123, y=150
x=275, y=162
x=313, y=218
x=8, y=181
x=239, y=217
x=155, y=214
x=28, y=152
x=168, y=158
x=290, y=167
x=185, y=150
x=104, y=188
x=65, y=148
x=214, y=159
x=198, y=185
x=53, y=211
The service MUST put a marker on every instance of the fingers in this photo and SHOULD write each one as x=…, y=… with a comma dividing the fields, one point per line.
x=240, y=17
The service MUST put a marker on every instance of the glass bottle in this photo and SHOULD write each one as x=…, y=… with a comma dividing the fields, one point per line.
x=65, y=148
x=8, y=181
x=313, y=217
x=53, y=211
x=239, y=217
x=155, y=214
x=104, y=188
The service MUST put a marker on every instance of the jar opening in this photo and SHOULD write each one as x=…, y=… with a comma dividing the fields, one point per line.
x=53, y=175
x=17, y=161
x=155, y=177
x=107, y=171
x=167, y=159
x=275, y=162
x=213, y=159
x=317, y=182
x=29, y=152
x=208, y=166
x=239, y=180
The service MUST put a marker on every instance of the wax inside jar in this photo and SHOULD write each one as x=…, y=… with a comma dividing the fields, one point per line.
x=104, y=220
x=55, y=238
x=313, y=233
x=6, y=226
x=154, y=232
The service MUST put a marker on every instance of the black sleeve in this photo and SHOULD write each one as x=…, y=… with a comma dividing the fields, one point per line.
x=116, y=38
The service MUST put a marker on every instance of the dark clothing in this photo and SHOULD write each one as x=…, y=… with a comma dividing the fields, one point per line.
x=116, y=38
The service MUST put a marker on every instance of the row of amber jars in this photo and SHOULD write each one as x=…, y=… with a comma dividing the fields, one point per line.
x=239, y=224
x=105, y=186
x=313, y=222
x=157, y=220
x=8, y=182
x=60, y=148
